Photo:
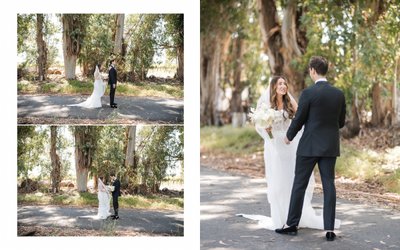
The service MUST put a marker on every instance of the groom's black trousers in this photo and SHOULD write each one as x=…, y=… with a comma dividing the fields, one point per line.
x=304, y=168
x=112, y=94
x=115, y=204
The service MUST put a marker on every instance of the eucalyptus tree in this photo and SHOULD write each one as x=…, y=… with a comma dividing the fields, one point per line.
x=110, y=154
x=130, y=155
x=284, y=38
x=31, y=146
x=41, y=48
x=37, y=43
x=55, y=161
x=86, y=141
x=142, y=37
x=360, y=40
x=119, y=33
x=161, y=148
x=217, y=19
x=74, y=32
x=98, y=43
x=26, y=46
x=175, y=34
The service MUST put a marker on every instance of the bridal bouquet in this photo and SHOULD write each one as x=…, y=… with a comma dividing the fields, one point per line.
x=265, y=117
x=110, y=188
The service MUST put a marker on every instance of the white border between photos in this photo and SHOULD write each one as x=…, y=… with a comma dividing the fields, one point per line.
x=8, y=210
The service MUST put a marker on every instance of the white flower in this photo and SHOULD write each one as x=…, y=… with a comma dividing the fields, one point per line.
x=265, y=117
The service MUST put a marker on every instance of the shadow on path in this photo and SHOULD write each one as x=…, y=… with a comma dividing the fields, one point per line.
x=169, y=222
x=146, y=109
x=223, y=195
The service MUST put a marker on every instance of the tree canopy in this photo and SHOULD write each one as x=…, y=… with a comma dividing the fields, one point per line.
x=359, y=38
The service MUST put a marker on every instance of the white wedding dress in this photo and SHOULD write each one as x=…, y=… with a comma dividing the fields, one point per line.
x=99, y=87
x=279, y=160
x=104, y=197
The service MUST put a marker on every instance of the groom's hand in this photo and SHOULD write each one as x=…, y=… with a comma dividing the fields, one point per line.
x=287, y=140
x=114, y=86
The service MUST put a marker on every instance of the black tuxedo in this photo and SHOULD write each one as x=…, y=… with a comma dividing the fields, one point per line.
x=112, y=79
x=115, y=194
x=322, y=111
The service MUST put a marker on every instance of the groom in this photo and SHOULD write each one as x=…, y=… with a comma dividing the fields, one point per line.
x=322, y=111
x=112, y=81
x=115, y=194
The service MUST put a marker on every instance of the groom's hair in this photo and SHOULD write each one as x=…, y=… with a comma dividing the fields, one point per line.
x=320, y=65
x=111, y=61
x=112, y=174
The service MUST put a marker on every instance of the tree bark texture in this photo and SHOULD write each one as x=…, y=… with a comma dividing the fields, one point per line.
x=55, y=161
x=41, y=48
x=84, y=151
x=283, y=43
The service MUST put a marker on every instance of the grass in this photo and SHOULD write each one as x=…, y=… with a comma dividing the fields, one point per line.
x=229, y=140
x=165, y=90
x=90, y=199
x=355, y=163
x=367, y=165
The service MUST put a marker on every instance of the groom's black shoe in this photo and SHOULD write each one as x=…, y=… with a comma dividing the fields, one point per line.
x=330, y=236
x=116, y=217
x=289, y=230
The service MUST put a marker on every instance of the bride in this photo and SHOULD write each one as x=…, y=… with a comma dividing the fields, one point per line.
x=104, y=197
x=280, y=159
x=99, y=87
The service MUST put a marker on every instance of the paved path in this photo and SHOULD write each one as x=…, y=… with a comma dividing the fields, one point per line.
x=168, y=222
x=223, y=195
x=145, y=109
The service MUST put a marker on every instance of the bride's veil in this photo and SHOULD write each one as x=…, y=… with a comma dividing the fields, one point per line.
x=263, y=100
x=101, y=185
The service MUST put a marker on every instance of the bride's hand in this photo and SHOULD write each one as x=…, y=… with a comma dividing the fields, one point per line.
x=269, y=129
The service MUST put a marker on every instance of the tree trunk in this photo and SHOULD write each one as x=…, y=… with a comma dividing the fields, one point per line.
x=377, y=115
x=179, y=71
x=41, y=48
x=130, y=151
x=395, y=91
x=70, y=66
x=131, y=157
x=119, y=33
x=73, y=33
x=55, y=161
x=283, y=43
x=353, y=127
x=84, y=150
x=236, y=101
x=86, y=69
x=209, y=78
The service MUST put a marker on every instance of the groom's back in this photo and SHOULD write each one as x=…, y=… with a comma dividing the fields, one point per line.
x=325, y=105
x=325, y=117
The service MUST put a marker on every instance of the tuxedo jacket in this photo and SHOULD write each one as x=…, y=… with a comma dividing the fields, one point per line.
x=322, y=111
x=112, y=76
x=117, y=188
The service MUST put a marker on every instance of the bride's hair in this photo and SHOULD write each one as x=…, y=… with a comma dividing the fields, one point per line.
x=287, y=105
x=97, y=65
